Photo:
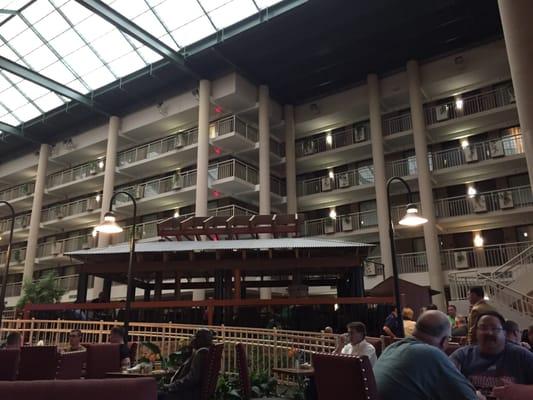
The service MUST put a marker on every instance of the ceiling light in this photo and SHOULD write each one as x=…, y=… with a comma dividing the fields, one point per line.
x=329, y=139
x=109, y=225
x=101, y=164
x=459, y=104
x=176, y=214
x=98, y=198
x=331, y=175
x=412, y=217
x=464, y=143
x=333, y=213
x=471, y=192
x=478, y=240
x=525, y=234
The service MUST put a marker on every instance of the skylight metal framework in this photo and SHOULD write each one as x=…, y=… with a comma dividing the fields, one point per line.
x=63, y=41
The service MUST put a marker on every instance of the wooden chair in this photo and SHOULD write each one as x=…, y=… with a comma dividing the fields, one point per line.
x=9, y=364
x=214, y=361
x=101, y=359
x=37, y=363
x=337, y=375
x=244, y=373
x=70, y=365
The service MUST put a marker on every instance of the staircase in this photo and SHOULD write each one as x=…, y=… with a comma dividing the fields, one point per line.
x=508, y=287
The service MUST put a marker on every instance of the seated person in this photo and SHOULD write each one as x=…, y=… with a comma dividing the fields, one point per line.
x=408, y=323
x=493, y=360
x=117, y=336
x=391, y=327
x=13, y=341
x=513, y=335
x=74, y=339
x=354, y=342
x=416, y=368
x=186, y=384
x=461, y=326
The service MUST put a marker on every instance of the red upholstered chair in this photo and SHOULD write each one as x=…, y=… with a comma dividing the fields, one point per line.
x=244, y=374
x=377, y=343
x=214, y=361
x=336, y=375
x=9, y=364
x=37, y=363
x=101, y=359
x=70, y=365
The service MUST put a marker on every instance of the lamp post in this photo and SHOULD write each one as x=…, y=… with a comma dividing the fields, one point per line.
x=110, y=226
x=8, y=259
x=411, y=218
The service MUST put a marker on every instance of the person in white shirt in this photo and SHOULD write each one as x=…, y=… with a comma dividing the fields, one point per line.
x=353, y=342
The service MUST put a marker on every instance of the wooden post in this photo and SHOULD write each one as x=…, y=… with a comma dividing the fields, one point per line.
x=237, y=283
x=177, y=286
x=210, y=312
x=158, y=287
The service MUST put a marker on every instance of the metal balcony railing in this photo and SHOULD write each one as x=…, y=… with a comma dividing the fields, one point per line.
x=504, y=199
x=67, y=283
x=408, y=263
x=234, y=168
x=16, y=192
x=340, y=180
x=17, y=256
x=343, y=223
x=73, y=174
x=230, y=124
x=404, y=167
x=474, y=104
x=68, y=209
x=490, y=149
x=57, y=247
x=21, y=222
x=277, y=186
x=396, y=123
x=331, y=141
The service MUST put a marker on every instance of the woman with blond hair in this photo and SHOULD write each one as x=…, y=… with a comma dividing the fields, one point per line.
x=408, y=323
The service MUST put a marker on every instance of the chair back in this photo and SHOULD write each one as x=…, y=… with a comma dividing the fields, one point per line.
x=214, y=361
x=377, y=343
x=101, y=359
x=452, y=346
x=70, y=365
x=244, y=373
x=37, y=363
x=9, y=364
x=337, y=374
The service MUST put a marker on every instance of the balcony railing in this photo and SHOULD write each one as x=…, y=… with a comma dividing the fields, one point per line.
x=234, y=168
x=17, y=256
x=343, y=223
x=73, y=174
x=277, y=186
x=397, y=123
x=16, y=192
x=404, y=167
x=341, y=180
x=67, y=283
x=490, y=149
x=481, y=102
x=68, y=209
x=158, y=147
x=505, y=199
x=21, y=222
x=57, y=247
x=330, y=141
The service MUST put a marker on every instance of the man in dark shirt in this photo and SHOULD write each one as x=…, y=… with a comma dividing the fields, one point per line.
x=493, y=361
x=392, y=326
x=117, y=336
x=186, y=384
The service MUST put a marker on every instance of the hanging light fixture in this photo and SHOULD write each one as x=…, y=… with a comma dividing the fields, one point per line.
x=478, y=240
x=333, y=214
x=109, y=225
x=412, y=217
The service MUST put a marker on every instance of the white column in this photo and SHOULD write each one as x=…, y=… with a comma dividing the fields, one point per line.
x=431, y=238
x=380, y=178
x=203, y=149
x=109, y=186
x=290, y=160
x=202, y=163
x=264, y=164
x=516, y=16
x=35, y=221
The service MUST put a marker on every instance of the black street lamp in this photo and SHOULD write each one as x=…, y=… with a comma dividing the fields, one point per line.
x=110, y=226
x=411, y=218
x=8, y=259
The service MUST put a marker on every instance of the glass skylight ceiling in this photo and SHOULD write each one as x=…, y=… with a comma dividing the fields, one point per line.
x=66, y=42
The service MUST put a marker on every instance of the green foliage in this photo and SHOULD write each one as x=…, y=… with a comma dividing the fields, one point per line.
x=229, y=388
x=43, y=291
x=263, y=384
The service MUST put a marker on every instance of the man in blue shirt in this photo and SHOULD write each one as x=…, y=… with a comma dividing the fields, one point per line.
x=392, y=327
x=416, y=368
x=493, y=361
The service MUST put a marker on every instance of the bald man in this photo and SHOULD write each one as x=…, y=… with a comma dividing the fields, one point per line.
x=416, y=368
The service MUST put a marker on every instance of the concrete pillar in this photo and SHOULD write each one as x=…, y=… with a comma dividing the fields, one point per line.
x=431, y=238
x=264, y=163
x=202, y=162
x=380, y=178
x=35, y=221
x=109, y=187
x=290, y=160
x=516, y=18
